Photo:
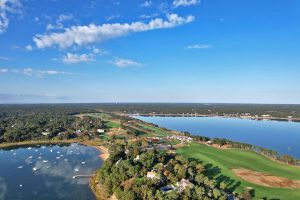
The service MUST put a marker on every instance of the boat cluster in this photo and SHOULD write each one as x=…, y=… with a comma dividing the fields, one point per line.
x=36, y=168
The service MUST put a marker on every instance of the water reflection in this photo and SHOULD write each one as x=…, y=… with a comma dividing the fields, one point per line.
x=283, y=137
x=46, y=172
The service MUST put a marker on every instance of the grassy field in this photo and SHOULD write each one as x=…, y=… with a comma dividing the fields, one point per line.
x=219, y=163
x=156, y=130
x=112, y=124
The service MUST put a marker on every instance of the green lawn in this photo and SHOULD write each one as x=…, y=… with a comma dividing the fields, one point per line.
x=156, y=130
x=220, y=162
x=111, y=124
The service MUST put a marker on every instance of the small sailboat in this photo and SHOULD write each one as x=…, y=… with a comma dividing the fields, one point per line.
x=20, y=167
x=29, y=148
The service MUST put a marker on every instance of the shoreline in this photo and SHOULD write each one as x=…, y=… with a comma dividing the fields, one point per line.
x=104, y=154
x=279, y=119
x=37, y=142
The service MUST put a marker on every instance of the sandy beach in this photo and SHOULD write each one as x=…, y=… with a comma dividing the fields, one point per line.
x=104, y=152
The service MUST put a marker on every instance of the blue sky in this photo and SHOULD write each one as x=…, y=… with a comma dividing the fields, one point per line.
x=220, y=51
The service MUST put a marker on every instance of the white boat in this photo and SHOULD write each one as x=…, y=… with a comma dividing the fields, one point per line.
x=29, y=148
x=20, y=167
x=83, y=162
x=51, y=150
x=39, y=157
x=30, y=157
x=45, y=161
x=76, y=169
x=34, y=169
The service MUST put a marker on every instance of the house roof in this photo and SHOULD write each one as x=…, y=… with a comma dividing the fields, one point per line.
x=151, y=174
x=185, y=183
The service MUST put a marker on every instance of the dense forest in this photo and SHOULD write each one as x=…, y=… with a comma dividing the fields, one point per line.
x=280, y=111
x=126, y=174
x=33, y=122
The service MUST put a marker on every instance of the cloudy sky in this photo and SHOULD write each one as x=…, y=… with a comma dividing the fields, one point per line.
x=150, y=51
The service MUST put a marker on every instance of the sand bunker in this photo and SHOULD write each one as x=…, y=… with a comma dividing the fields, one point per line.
x=266, y=179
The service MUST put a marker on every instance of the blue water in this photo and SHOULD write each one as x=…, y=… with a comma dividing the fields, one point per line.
x=283, y=137
x=46, y=172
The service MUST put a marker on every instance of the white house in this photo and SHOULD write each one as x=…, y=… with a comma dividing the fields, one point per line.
x=100, y=130
x=45, y=133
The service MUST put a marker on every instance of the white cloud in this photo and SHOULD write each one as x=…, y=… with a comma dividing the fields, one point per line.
x=59, y=22
x=28, y=48
x=83, y=35
x=71, y=58
x=112, y=17
x=3, y=70
x=123, y=63
x=7, y=7
x=28, y=71
x=149, y=16
x=4, y=58
x=185, y=3
x=146, y=4
x=42, y=73
x=31, y=72
x=63, y=18
x=198, y=46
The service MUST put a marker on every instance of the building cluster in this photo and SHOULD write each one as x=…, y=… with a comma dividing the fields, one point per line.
x=180, y=185
x=180, y=138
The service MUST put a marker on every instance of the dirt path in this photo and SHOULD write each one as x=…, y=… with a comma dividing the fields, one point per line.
x=265, y=179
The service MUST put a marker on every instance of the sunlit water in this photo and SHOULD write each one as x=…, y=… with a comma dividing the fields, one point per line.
x=46, y=172
x=283, y=137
